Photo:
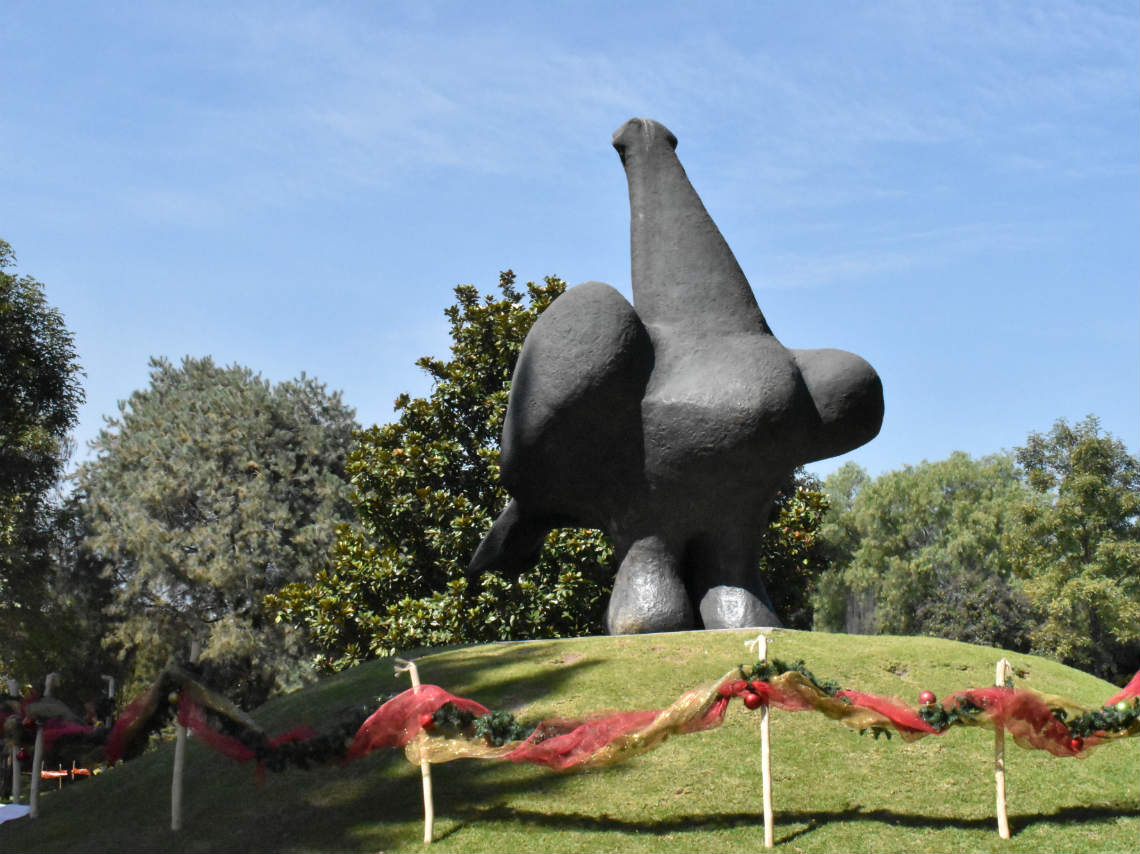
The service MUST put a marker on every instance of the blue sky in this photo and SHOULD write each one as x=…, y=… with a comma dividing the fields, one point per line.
x=948, y=189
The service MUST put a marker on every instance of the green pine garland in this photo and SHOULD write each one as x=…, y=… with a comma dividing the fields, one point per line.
x=1118, y=718
x=330, y=744
x=962, y=713
x=765, y=671
x=496, y=728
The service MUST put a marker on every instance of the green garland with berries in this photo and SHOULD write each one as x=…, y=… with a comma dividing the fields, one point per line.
x=1117, y=719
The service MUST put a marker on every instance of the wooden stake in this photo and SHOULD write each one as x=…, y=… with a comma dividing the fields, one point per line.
x=17, y=777
x=38, y=756
x=180, y=758
x=409, y=667
x=761, y=646
x=1004, y=669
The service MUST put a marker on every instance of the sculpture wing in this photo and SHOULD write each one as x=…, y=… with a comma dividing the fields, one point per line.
x=572, y=434
x=848, y=398
x=572, y=440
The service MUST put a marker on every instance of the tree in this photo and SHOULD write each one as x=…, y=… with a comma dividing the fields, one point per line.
x=73, y=620
x=922, y=550
x=40, y=394
x=210, y=490
x=426, y=489
x=1077, y=547
x=835, y=607
x=793, y=554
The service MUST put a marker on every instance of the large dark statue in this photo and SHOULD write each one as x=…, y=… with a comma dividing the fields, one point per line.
x=671, y=423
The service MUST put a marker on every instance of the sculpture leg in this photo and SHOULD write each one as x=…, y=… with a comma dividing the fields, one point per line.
x=512, y=545
x=725, y=581
x=649, y=594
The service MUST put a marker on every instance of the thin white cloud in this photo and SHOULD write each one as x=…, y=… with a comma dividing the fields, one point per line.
x=889, y=253
x=307, y=103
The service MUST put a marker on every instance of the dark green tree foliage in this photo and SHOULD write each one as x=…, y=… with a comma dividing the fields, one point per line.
x=426, y=490
x=211, y=490
x=922, y=550
x=793, y=555
x=1077, y=548
x=73, y=619
x=40, y=393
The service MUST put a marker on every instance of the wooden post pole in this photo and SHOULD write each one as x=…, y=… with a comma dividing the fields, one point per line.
x=409, y=667
x=38, y=756
x=1004, y=670
x=17, y=777
x=761, y=646
x=180, y=758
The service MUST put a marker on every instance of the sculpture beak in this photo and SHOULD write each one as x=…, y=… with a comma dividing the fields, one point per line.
x=641, y=134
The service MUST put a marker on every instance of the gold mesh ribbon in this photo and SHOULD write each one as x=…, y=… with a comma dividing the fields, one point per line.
x=686, y=714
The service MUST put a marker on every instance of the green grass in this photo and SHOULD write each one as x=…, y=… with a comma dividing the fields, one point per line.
x=834, y=790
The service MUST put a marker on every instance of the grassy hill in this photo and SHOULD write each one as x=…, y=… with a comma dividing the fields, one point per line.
x=834, y=790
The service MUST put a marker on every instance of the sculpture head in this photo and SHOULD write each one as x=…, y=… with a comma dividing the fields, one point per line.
x=638, y=136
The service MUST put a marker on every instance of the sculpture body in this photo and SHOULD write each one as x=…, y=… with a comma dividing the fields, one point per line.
x=671, y=423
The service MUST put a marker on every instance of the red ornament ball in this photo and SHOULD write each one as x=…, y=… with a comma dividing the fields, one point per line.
x=927, y=698
x=22, y=755
x=753, y=701
x=1076, y=743
x=427, y=720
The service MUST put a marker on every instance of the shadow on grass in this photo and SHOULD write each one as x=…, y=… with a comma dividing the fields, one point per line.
x=812, y=819
x=376, y=680
x=456, y=675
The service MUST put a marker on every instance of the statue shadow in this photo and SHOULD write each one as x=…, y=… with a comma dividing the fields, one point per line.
x=500, y=693
x=811, y=820
x=508, y=691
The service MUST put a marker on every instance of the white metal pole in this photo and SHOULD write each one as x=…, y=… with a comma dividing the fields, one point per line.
x=180, y=758
x=761, y=645
x=38, y=756
x=409, y=667
x=17, y=777
x=1004, y=669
